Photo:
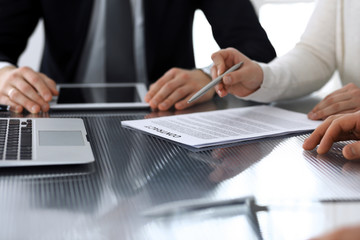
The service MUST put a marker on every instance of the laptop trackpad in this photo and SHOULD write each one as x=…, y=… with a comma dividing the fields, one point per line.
x=63, y=138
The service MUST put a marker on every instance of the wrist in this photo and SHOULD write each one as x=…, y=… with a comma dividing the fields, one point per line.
x=6, y=69
x=206, y=71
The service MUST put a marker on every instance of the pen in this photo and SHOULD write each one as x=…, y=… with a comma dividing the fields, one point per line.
x=214, y=82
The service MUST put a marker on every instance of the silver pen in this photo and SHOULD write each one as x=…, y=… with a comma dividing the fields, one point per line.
x=213, y=82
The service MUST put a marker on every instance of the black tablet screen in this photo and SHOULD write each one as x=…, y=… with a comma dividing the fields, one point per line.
x=79, y=95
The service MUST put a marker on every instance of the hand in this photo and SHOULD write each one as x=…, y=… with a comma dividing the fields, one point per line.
x=24, y=88
x=344, y=100
x=241, y=82
x=205, y=107
x=344, y=233
x=176, y=87
x=337, y=128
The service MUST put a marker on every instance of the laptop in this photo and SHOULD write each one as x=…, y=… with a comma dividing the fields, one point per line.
x=43, y=141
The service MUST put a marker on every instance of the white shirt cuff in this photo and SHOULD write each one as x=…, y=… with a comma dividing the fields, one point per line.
x=207, y=70
x=5, y=64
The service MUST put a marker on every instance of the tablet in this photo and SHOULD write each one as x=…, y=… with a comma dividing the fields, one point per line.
x=100, y=96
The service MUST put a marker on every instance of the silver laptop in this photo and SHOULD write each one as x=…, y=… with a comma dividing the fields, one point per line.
x=43, y=141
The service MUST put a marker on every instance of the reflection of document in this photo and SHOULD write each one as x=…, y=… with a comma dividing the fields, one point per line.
x=225, y=126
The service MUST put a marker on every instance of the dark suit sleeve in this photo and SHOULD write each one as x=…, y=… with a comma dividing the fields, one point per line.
x=18, y=19
x=235, y=24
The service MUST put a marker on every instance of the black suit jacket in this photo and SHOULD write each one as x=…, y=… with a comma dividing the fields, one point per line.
x=168, y=32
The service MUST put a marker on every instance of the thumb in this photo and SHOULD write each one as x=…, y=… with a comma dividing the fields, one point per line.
x=219, y=66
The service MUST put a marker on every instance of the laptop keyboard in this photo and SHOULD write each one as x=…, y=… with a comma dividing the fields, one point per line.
x=15, y=139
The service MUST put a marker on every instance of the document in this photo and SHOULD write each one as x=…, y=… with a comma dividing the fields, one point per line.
x=220, y=127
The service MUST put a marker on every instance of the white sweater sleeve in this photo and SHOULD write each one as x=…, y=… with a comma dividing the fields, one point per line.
x=309, y=65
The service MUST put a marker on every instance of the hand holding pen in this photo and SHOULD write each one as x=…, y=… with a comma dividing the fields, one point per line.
x=241, y=82
x=210, y=85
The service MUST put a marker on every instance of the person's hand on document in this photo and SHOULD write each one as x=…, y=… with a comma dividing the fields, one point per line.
x=344, y=233
x=337, y=128
x=241, y=82
x=344, y=100
x=24, y=88
x=176, y=87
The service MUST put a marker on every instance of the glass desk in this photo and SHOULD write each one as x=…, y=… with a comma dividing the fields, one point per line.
x=305, y=194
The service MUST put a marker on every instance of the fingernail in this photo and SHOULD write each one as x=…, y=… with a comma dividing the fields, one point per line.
x=227, y=80
x=305, y=144
x=47, y=97
x=147, y=97
x=45, y=107
x=312, y=115
x=179, y=106
x=35, y=109
x=163, y=105
x=18, y=109
x=153, y=103
x=212, y=72
x=351, y=151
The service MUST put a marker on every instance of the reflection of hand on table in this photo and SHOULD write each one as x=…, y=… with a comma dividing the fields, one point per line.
x=351, y=168
x=336, y=159
x=229, y=162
